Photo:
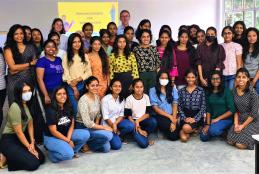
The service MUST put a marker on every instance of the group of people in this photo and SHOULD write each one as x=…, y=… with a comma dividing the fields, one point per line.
x=89, y=93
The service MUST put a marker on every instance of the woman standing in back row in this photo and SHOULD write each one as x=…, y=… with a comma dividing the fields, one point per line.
x=209, y=56
x=147, y=58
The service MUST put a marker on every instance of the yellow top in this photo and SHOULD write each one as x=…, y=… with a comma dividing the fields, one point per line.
x=121, y=64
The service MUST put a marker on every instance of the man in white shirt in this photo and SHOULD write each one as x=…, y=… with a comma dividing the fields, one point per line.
x=124, y=18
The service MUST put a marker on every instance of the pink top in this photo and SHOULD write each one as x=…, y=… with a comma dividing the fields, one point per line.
x=232, y=49
x=161, y=51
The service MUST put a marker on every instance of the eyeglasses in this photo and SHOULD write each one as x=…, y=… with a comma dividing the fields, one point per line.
x=215, y=78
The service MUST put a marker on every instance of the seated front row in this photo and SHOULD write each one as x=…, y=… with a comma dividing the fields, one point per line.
x=64, y=136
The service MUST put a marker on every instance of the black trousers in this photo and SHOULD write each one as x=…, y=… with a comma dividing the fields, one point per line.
x=126, y=81
x=2, y=100
x=164, y=124
x=17, y=155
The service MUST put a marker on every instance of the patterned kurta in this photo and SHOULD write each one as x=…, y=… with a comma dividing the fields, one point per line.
x=97, y=72
x=190, y=103
x=246, y=105
x=147, y=58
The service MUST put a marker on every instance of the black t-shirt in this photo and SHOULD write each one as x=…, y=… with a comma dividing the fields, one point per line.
x=61, y=118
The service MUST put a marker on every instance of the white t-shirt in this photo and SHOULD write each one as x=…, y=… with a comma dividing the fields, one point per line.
x=137, y=107
x=111, y=108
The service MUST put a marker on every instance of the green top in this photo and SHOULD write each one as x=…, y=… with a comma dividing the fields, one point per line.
x=220, y=104
x=14, y=117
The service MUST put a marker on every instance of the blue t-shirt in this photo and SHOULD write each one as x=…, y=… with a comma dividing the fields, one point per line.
x=53, y=72
x=163, y=104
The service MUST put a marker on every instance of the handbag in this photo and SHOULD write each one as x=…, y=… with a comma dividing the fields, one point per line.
x=174, y=71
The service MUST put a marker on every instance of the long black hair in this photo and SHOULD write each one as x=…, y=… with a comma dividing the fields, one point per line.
x=54, y=22
x=168, y=87
x=141, y=33
x=49, y=41
x=102, y=54
x=54, y=33
x=215, y=45
x=103, y=32
x=126, y=50
x=111, y=23
x=88, y=81
x=168, y=57
x=244, y=28
x=18, y=90
x=246, y=45
x=54, y=103
x=127, y=29
x=194, y=39
x=246, y=72
x=109, y=91
x=167, y=28
x=134, y=82
x=229, y=28
x=38, y=30
x=143, y=22
x=189, y=46
x=26, y=27
x=221, y=86
x=191, y=71
x=70, y=52
x=12, y=44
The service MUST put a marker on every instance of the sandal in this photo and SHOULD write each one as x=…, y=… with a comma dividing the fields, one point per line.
x=85, y=149
x=3, y=162
x=76, y=156
x=151, y=142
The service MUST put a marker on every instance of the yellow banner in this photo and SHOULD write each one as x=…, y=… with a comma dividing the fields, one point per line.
x=75, y=14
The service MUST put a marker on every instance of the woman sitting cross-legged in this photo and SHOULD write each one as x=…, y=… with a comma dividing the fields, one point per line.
x=138, y=109
x=89, y=116
x=220, y=108
x=164, y=100
x=113, y=114
x=61, y=139
x=246, y=121
x=192, y=106
x=16, y=145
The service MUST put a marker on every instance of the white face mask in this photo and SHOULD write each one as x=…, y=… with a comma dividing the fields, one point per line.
x=163, y=82
x=26, y=96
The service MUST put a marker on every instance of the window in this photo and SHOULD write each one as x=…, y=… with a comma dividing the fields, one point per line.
x=244, y=10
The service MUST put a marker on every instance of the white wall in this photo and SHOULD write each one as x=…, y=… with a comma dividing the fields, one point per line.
x=40, y=13
x=175, y=13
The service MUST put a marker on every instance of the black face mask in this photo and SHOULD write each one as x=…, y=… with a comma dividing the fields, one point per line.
x=210, y=38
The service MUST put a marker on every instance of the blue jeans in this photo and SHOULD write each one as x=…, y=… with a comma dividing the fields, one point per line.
x=216, y=129
x=257, y=87
x=99, y=139
x=229, y=81
x=125, y=127
x=148, y=125
x=71, y=96
x=59, y=150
